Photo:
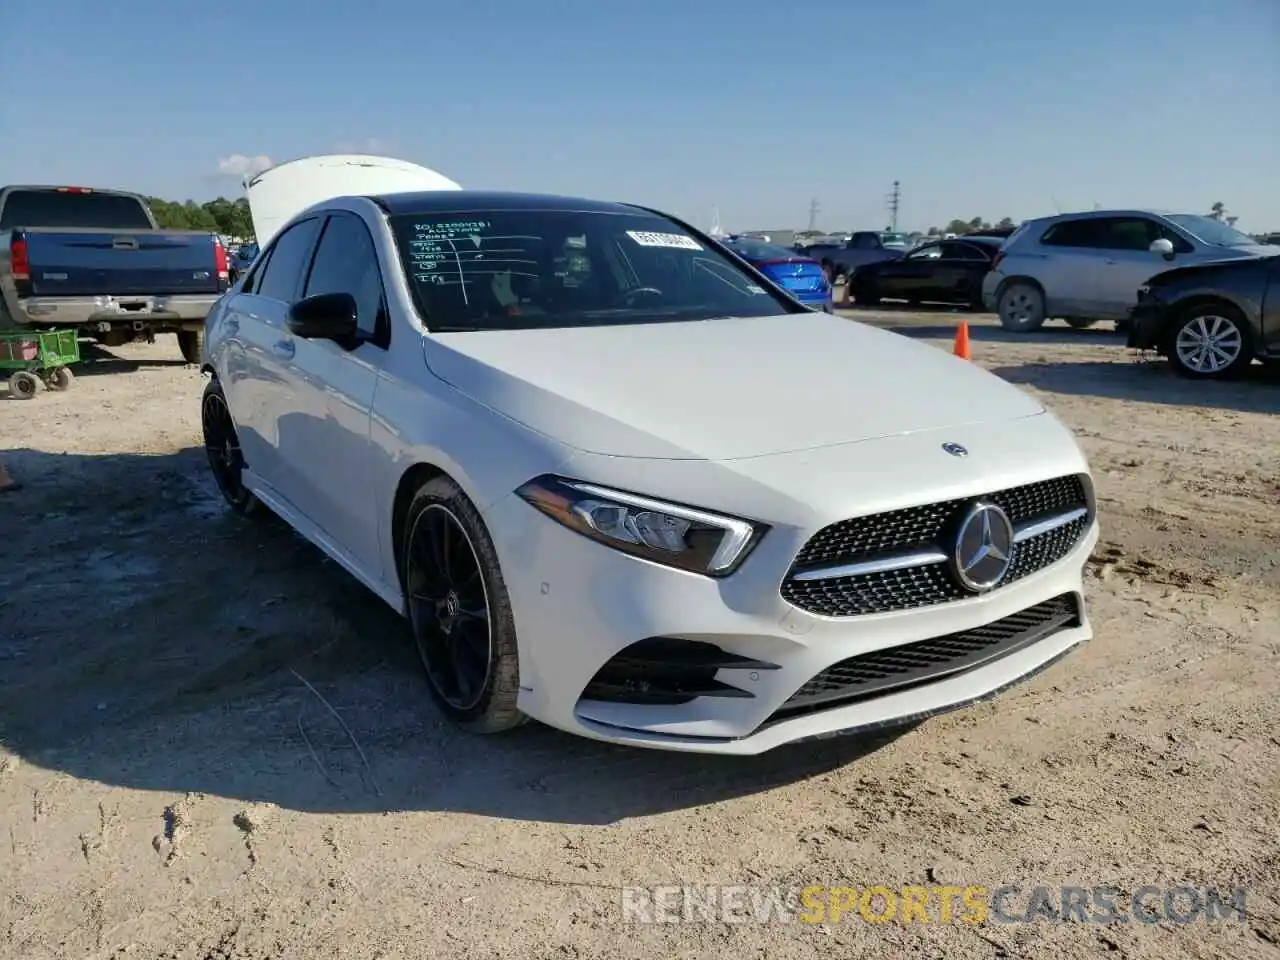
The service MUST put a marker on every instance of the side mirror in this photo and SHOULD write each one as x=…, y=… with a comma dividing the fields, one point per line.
x=327, y=316
x=1163, y=247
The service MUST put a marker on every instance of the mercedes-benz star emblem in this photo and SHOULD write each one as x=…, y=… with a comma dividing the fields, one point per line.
x=984, y=547
x=955, y=449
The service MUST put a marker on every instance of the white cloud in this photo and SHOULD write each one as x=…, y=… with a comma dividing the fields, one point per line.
x=238, y=165
x=372, y=145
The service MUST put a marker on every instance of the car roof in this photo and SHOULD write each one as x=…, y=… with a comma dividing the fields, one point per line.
x=1125, y=212
x=463, y=201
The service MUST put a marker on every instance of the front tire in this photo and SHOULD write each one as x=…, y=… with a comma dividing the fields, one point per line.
x=1211, y=342
x=222, y=447
x=1021, y=308
x=459, y=610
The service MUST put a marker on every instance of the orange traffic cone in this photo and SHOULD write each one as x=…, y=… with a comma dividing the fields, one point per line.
x=7, y=482
x=962, y=341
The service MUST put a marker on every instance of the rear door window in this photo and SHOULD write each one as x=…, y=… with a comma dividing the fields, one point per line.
x=1073, y=233
x=956, y=250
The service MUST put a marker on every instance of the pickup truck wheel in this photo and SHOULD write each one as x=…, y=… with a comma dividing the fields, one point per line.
x=222, y=446
x=459, y=611
x=191, y=343
x=1021, y=308
x=1211, y=342
x=24, y=385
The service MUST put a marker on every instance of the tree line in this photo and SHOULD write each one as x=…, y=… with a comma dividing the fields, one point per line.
x=228, y=217
x=976, y=225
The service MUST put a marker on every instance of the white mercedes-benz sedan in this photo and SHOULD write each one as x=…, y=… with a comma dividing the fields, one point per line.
x=618, y=481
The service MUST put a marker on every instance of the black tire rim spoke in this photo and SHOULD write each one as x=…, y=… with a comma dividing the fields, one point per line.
x=448, y=607
x=222, y=447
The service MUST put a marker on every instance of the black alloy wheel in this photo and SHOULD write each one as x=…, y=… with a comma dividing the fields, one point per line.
x=449, y=608
x=222, y=446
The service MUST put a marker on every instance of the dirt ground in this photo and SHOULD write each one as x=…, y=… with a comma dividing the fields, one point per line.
x=171, y=788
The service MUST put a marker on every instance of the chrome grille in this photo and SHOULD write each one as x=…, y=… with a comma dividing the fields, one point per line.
x=896, y=668
x=929, y=528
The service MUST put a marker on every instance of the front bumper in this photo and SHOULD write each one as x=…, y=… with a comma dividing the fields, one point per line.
x=1146, y=324
x=990, y=289
x=577, y=604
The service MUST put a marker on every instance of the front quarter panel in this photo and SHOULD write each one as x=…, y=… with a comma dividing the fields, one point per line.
x=1245, y=288
x=418, y=419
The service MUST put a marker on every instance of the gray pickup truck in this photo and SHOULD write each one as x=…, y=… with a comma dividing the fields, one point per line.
x=95, y=260
x=862, y=248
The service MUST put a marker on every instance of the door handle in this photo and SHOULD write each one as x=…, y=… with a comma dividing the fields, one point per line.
x=1112, y=262
x=284, y=349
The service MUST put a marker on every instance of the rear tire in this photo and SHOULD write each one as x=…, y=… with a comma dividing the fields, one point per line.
x=222, y=447
x=486, y=702
x=191, y=343
x=1021, y=308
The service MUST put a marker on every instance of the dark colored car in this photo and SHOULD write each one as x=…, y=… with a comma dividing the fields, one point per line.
x=802, y=277
x=945, y=271
x=1211, y=320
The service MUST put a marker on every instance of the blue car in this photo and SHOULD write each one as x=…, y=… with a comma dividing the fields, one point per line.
x=801, y=277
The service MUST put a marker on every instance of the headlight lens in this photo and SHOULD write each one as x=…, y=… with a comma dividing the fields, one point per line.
x=667, y=533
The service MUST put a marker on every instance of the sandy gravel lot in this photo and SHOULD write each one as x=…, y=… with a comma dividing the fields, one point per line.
x=171, y=789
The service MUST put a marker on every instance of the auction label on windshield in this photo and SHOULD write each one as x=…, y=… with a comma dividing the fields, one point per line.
x=675, y=240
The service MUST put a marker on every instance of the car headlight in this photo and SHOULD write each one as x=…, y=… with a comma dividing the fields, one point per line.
x=667, y=533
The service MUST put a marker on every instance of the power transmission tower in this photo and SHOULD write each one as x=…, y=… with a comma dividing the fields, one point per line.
x=893, y=202
x=813, y=215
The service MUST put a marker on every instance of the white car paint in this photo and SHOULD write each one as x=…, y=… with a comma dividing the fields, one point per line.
x=280, y=193
x=798, y=421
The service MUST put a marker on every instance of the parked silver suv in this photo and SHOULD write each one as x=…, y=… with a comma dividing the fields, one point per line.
x=1085, y=267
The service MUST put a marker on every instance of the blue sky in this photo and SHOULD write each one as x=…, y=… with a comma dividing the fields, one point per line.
x=988, y=108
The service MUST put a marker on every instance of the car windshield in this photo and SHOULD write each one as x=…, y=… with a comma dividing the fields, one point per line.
x=521, y=269
x=759, y=250
x=1211, y=231
x=895, y=240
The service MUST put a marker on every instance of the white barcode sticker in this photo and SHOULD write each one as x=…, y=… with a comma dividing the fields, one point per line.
x=677, y=241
